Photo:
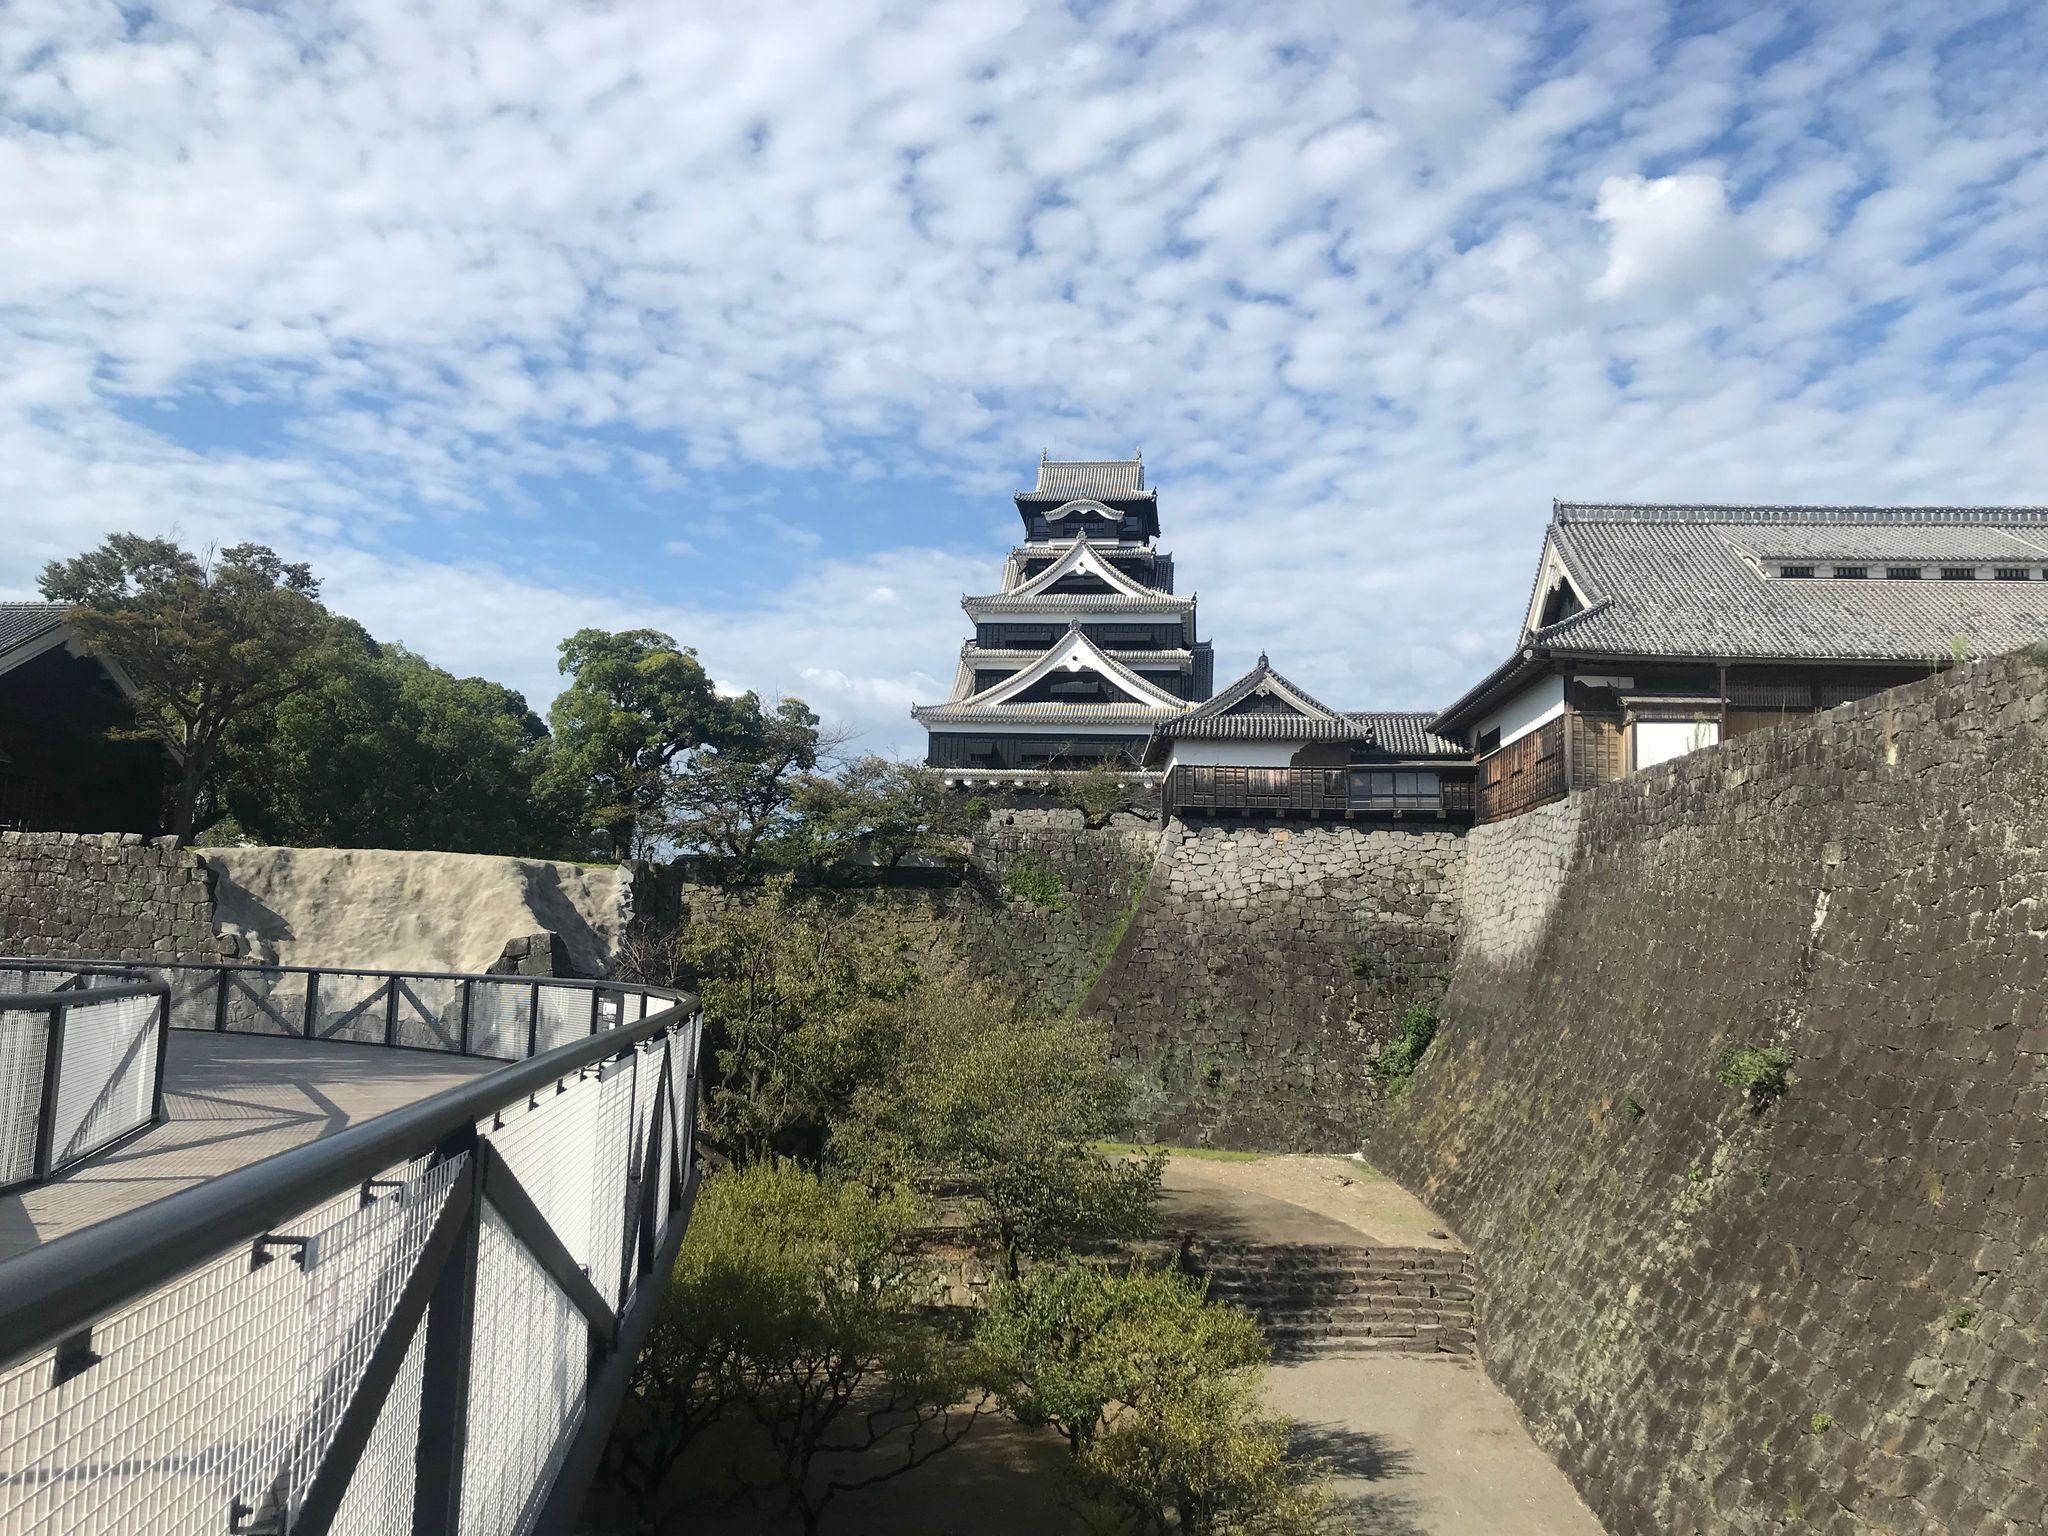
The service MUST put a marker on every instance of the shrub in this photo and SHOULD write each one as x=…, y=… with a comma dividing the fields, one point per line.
x=1027, y=880
x=1761, y=1071
x=1157, y=1390
x=1100, y=792
x=1394, y=1067
x=1821, y=1423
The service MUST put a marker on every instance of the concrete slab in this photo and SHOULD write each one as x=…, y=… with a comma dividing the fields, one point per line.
x=232, y=1100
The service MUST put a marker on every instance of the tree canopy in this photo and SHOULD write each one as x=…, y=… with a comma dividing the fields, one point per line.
x=206, y=641
x=388, y=750
x=636, y=707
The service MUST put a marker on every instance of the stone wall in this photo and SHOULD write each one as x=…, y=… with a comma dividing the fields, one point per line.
x=1265, y=967
x=1723, y=1312
x=1050, y=953
x=108, y=895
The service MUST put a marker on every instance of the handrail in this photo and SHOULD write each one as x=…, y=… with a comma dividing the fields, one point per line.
x=70, y=1281
x=360, y=1383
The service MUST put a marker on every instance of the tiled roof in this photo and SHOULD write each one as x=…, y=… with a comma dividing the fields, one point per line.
x=1300, y=716
x=1075, y=602
x=1406, y=733
x=1106, y=479
x=23, y=623
x=1916, y=544
x=1730, y=514
x=1682, y=587
x=1137, y=716
x=979, y=655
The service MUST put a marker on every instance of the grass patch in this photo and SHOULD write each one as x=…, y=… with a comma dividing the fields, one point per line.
x=1106, y=950
x=1394, y=1067
x=1763, y=1072
x=1204, y=1154
x=1027, y=880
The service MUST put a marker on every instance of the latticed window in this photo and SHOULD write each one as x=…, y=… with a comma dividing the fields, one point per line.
x=1959, y=573
x=1851, y=572
x=1795, y=570
x=2012, y=573
x=1902, y=572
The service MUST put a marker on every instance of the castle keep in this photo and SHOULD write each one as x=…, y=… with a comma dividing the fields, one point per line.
x=1086, y=649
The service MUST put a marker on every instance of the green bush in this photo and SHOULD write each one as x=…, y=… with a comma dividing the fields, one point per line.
x=1394, y=1067
x=1764, y=1072
x=1026, y=880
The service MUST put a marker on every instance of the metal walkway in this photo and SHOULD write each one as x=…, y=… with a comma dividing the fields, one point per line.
x=231, y=1100
x=296, y=1251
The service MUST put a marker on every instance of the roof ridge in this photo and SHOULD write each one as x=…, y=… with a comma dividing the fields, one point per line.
x=1823, y=513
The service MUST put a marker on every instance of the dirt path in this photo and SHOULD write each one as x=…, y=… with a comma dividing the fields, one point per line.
x=1296, y=1199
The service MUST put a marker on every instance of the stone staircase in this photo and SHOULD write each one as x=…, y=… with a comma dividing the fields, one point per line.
x=1317, y=1299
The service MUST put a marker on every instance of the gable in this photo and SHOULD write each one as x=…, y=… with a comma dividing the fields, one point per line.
x=1262, y=702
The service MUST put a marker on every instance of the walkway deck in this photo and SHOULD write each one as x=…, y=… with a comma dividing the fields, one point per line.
x=232, y=1100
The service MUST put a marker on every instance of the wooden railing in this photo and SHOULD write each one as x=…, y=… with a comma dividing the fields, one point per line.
x=1529, y=771
x=1349, y=792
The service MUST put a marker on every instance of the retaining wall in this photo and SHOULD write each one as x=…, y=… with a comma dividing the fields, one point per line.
x=1820, y=1313
x=112, y=895
x=1266, y=966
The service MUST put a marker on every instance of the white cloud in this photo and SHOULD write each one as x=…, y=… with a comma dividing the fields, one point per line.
x=377, y=281
x=1670, y=237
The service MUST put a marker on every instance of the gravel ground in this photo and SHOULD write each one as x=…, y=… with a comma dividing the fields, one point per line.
x=1297, y=1199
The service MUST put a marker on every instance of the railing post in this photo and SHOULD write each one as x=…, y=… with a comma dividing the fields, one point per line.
x=312, y=1000
x=163, y=1050
x=533, y=1022
x=463, y=1048
x=220, y=1003
x=46, y=1119
x=444, y=1397
x=596, y=1000
x=391, y=1011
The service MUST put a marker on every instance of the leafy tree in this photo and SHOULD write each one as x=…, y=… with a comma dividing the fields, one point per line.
x=733, y=802
x=1157, y=1390
x=880, y=812
x=793, y=1302
x=206, y=641
x=1099, y=791
x=636, y=707
x=804, y=1005
x=1005, y=1113
x=390, y=751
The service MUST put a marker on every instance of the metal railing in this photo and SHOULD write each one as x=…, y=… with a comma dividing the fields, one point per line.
x=81, y=1064
x=422, y=1323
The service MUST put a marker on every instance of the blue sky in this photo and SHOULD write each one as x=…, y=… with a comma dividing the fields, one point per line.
x=743, y=322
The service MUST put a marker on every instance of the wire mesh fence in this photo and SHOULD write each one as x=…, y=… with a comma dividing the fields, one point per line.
x=81, y=1063
x=291, y=1371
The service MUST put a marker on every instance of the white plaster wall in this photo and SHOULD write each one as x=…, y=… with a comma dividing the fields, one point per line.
x=1233, y=754
x=1658, y=741
x=1537, y=705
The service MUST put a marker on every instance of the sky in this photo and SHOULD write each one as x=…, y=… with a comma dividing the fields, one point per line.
x=742, y=322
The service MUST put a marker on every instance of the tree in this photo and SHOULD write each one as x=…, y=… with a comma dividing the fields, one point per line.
x=794, y=1302
x=205, y=641
x=732, y=803
x=878, y=812
x=637, y=705
x=1157, y=1391
x=804, y=1005
x=1100, y=791
x=390, y=751
x=1005, y=1112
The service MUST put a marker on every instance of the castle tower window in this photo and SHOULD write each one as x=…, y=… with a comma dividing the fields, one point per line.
x=1902, y=572
x=1851, y=572
x=2012, y=573
x=1959, y=573
x=1795, y=570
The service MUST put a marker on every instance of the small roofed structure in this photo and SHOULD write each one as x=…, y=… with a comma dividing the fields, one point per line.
x=61, y=767
x=1655, y=630
x=1266, y=746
